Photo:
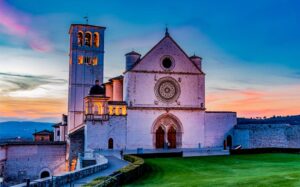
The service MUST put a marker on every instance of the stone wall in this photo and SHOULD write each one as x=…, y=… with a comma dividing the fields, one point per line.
x=267, y=135
x=2, y=159
x=76, y=144
x=99, y=133
x=218, y=125
x=140, y=124
x=199, y=129
x=139, y=90
x=139, y=83
x=31, y=159
x=67, y=178
x=2, y=153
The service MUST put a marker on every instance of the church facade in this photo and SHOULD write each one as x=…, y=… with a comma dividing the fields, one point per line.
x=157, y=103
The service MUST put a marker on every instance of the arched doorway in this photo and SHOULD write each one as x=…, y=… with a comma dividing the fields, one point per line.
x=229, y=141
x=110, y=143
x=167, y=130
x=45, y=174
x=160, y=138
x=172, y=137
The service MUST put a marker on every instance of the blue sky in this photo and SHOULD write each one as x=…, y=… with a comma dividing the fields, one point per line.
x=250, y=49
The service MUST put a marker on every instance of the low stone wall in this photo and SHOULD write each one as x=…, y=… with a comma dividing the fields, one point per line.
x=29, y=159
x=264, y=150
x=251, y=136
x=66, y=178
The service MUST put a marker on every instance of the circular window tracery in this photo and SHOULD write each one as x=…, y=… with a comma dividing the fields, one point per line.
x=167, y=63
x=167, y=89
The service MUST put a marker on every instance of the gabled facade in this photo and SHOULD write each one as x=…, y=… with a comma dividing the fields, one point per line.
x=158, y=103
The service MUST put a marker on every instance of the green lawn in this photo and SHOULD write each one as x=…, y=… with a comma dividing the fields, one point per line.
x=237, y=170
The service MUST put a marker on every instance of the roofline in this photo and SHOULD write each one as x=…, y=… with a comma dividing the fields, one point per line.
x=33, y=143
x=73, y=25
x=120, y=77
x=117, y=77
x=133, y=53
x=166, y=36
x=220, y=112
x=97, y=96
x=194, y=56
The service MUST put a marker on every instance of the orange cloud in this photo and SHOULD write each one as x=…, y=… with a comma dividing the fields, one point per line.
x=31, y=108
x=282, y=100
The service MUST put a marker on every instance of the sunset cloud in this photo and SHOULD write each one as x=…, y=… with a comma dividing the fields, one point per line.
x=281, y=100
x=32, y=97
x=18, y=24
x=32, y=108
x=11, y=84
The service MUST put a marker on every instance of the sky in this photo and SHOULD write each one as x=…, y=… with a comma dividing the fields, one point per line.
x=250, y=50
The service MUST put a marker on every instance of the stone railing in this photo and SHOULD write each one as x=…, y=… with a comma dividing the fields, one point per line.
x=69, y=177
x=96, y=117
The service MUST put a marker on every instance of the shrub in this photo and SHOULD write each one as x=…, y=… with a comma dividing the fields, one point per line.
x=122, y=176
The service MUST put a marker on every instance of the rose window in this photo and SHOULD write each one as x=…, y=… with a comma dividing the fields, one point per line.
x=167, y=89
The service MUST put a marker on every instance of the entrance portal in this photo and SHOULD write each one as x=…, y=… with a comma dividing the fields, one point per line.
x=110, y=143
x=160, y=136
x=229, y=141
x=172, y=137
x=167, y=130
x=45, y=174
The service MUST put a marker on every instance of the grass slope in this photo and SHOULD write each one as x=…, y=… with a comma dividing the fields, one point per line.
x=237, y=170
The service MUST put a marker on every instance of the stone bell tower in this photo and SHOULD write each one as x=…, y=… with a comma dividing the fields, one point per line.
x=85, y=66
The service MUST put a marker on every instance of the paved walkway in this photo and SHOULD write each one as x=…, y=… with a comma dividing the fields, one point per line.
x=187, y=152
x=113, y=165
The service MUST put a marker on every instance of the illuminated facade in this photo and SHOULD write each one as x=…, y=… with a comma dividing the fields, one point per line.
x=158, y=103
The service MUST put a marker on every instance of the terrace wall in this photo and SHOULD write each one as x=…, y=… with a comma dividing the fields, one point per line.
x=29, y=160
x=252, y=136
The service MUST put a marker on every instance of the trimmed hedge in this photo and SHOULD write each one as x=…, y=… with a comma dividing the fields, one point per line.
x=125, y=175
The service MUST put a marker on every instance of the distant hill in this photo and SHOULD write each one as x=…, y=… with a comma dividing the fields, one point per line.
x=293, y=120
x=23, y=129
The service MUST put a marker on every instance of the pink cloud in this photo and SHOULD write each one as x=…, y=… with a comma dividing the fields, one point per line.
x=17, y=23
x=281, y=100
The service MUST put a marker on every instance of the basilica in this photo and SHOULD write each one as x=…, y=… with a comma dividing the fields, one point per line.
x=157, y=103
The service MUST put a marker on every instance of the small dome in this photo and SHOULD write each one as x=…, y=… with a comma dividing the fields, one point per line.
x=97, y=90
x=194, y=56
x=133, y=53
